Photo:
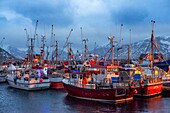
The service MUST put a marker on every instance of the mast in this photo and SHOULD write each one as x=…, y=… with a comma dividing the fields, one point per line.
x=32, y=52
x=70, y=52
x=121, y=39
x=111, y=38
x=129, y=48
x=152, y=44
x=53, y=50
x=82, y=43
x=65, y=45
x=47, y=53
x=94, y=48
x=42, y=49
x=121, y=43
x=56, y=52
x=28, y=45
x=51, y=44
x=35, y=33
x=85, y=48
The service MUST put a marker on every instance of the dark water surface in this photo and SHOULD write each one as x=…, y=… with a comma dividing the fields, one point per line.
x=56, y=101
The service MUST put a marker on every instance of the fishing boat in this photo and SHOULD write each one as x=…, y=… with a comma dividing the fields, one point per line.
x=28, y=79
x=166, y=81
x=56, y=77
x=150, y=76
x=165, y=65
x=150, y=81
x=102, y=83
x=34, y=75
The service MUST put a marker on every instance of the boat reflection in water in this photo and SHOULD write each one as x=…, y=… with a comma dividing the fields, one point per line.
x=57, y=101
x=154, y=105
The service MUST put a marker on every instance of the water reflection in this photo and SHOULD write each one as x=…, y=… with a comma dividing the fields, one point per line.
x=57, y=101
x=153, y=104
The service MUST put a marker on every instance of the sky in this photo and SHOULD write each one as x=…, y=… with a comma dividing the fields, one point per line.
x=98, y=19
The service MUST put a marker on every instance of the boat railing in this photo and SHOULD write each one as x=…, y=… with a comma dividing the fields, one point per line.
x=118, y=85
x=76, y=83
x=99, y=85
x=152, y=80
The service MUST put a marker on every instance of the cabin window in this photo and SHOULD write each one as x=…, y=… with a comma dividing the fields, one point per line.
x=81, y=76
x=121, y=92
x=74, y=76
x=109, y=70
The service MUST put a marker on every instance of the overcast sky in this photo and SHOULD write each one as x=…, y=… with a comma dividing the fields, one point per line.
x=98, y=18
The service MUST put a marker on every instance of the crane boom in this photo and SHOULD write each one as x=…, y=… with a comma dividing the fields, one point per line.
x=35, y=33
x=65, y=44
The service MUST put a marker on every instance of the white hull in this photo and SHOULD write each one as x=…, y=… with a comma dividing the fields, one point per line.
x=57, y=79
x=2, y=78
x=32, y=84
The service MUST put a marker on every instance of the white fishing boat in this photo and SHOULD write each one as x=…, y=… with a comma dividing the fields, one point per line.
x=31, y=79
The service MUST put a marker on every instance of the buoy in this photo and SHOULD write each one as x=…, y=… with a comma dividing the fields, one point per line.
x=41, y=80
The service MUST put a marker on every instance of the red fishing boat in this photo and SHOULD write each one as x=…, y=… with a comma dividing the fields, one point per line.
x=104, y=83
x=150, y=82
x=149, y=78
x=56, y=77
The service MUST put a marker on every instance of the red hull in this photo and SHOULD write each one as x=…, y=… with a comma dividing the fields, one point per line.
x=56, y=85
x=149, y=90
x=98, y=94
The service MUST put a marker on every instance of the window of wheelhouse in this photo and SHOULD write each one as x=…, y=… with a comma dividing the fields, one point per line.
x=102, y=71
x=74, y=76
x=80, y=76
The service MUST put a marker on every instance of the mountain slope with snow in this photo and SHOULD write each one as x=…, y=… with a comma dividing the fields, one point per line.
x=137, y=48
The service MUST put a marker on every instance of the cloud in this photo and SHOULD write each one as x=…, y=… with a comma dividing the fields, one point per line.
x=130, y=15
x=99, y=18
x=44, y=11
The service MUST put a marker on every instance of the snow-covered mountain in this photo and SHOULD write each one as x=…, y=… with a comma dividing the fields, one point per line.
x=16, y=52
x=6, y=57
x=21, y=54
x=137, y=48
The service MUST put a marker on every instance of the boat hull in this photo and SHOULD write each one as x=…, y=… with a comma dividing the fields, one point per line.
x=3, y=78
x=31, y=84
x=149, y=90
x=99, y=94
x=166, y=87
x=56, y=83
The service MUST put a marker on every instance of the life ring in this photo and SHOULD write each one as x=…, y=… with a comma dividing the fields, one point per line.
x=142, y=83
x=131, y=84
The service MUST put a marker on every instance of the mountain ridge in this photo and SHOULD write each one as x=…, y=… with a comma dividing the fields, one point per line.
x=137, y=48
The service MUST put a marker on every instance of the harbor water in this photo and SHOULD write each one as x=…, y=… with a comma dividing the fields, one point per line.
x=57, y=101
